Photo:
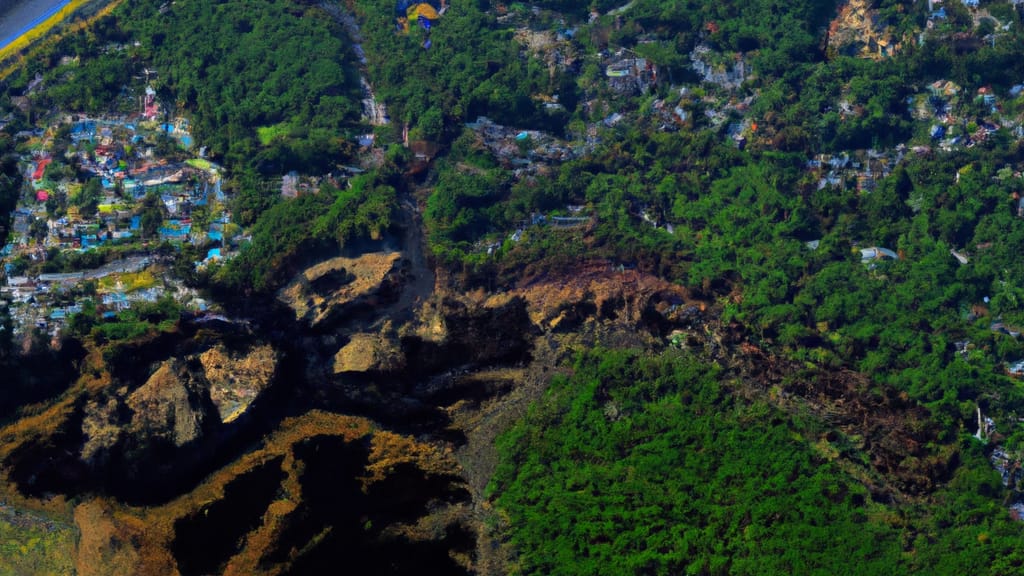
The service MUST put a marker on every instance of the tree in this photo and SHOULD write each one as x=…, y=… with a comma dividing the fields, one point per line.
x=38, y=229
x=88, y=199
x=151, y=214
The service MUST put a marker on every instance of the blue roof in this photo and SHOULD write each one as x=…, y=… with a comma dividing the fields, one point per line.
x=114, y=297
x=176, y=232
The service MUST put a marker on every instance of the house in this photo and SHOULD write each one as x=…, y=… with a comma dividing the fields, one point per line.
x=613, y=119
x=865, y=182
x=1000, y=328
x=874, y=253
x=946, y=88
x=1016, y=369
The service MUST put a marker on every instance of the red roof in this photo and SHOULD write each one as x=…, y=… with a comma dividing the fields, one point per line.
x=40, y=167
x=42, y=195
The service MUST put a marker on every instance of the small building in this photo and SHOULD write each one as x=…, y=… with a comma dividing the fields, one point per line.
x=875, y=253
x=1016, y=369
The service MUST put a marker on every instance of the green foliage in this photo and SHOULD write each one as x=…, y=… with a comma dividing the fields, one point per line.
x=286, y=232
x=240, y=65
x=88, y=199
x=648, y=465
x=93, y=87
x=462, y=208
x=141, y=319
x=151, y=215
x=473, y=68
x=34, y=544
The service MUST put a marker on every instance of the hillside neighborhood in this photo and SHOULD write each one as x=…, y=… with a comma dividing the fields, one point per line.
x=129, y=185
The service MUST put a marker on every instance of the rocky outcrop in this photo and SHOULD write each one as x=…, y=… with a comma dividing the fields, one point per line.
x=237, y=379
x=343, y=286
x=598, y=292
x=859, y=31
x=453, y=332
x=370, y=353
x=102, y=428
x=146, y=432
x=173, y=406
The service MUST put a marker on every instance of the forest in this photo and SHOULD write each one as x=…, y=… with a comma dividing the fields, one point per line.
x=641, y=464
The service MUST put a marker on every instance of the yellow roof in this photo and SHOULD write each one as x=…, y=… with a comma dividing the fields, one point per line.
x=422, y=9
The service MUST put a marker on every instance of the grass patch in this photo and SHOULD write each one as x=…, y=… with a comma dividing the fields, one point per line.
x=33, y=544
x=199, y=163
x=127, y=282
x=110, y=208
x=268, y=134
x=73, y=189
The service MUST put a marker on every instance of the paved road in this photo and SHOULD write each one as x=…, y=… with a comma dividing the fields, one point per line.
x=20, y=16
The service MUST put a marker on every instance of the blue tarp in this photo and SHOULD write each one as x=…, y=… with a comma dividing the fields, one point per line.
x=83, y=127
x=180, y=233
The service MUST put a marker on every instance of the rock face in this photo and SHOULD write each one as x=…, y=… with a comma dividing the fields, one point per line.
x=598, y=292
x=102, y=428
x=236, y=379
x=172, y=406
x=340, y=285
x=452, y=332
x=369, y=353
x=144, y=431
x=858, y=31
